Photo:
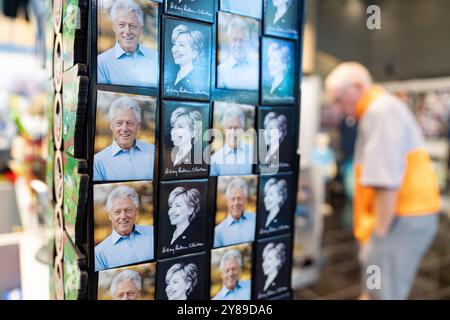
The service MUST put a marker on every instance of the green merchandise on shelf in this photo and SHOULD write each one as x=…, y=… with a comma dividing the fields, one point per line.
x=75, y=194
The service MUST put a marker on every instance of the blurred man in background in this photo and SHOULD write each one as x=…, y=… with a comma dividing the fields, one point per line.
x=396, y=191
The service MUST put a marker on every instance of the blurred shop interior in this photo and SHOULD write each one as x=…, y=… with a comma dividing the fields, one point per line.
x=408, y=56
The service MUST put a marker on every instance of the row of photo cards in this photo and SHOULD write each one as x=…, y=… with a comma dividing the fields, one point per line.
x=193, y=60
x=240, y=139
x=192, y=148
x=229, y=273
x=127, y=229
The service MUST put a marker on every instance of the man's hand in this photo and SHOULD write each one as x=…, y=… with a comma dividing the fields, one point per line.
x=385, y=202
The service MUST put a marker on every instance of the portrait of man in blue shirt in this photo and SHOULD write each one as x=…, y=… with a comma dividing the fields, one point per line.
x=238, y=71
x=238, y=226
x=230, y=271
x=235, y=157
x=126, y=158
x=128, y=243
x=128, y=62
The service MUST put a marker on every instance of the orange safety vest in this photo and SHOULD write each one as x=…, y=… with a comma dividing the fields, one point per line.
x=418, y=193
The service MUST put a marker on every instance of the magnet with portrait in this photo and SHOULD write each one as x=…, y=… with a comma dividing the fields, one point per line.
x=281, y=18
x=234, y=144
x=129, y=283
x=182, y=220
x=231, y=273
x=183, y=127
x=277, y=140
x=278, y=71
x=247, y=8
x=275, y=213
x=123, y=224
x=235, y=219
x=182, y=278
x=128, y=43
x=193, y=9
x=125, y=136
x=187, y=59
x=272, y=267
x=238, y=52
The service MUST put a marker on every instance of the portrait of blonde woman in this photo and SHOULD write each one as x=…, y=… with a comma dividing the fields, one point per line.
x=273, y=258
x=183, y=128
x=181, y=280
x=281, y=18
x=184, y=133
x=274, y=205
x=279, y=71
x=182, y=217
x=273, y=267
x=186, y=65
x=277, y=144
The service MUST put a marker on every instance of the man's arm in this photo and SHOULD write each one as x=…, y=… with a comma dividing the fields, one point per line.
x=385, y=203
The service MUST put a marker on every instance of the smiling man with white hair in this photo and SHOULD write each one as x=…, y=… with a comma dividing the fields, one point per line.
x=128, y=243
x=236, y=156
x=126, y=285
x=126, y=158
x=396, y=191
x=128, y=62
x=239, y=225
x=230, y=271
x=239, y=70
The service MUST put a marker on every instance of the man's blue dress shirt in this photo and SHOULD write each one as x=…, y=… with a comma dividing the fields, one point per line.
x=240, y=292
x=116, y=66
x=231, y=231
x=114, y=163
x=227, y=161
x=117, y=250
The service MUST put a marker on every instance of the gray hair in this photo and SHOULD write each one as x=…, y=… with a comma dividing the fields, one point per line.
x=193, y=120
x=231, y=254
x=122, y=192
x=127, y=5
x=284, y=51
x=280, y=252
x=126, y=275
x=281, y=123
x=125, y=103
x=346, y=74
x=190, y=196
x=232, y=113
x=237, y=183
x=189, y=272
x=238, y=23
x=281, y=187
x=196, y=38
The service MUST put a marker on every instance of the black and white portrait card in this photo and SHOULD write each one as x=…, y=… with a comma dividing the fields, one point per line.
x=183, y=139
x=275, y=212
x=182, y=220
x=192, y=9
x=182, y=278
x=272, y=267
x=277, y=138
x=281, y=18
x=187, y=59
x=278, y=71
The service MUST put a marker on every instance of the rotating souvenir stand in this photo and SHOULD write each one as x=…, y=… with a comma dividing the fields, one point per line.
x=81, y=198
x=68, y=184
